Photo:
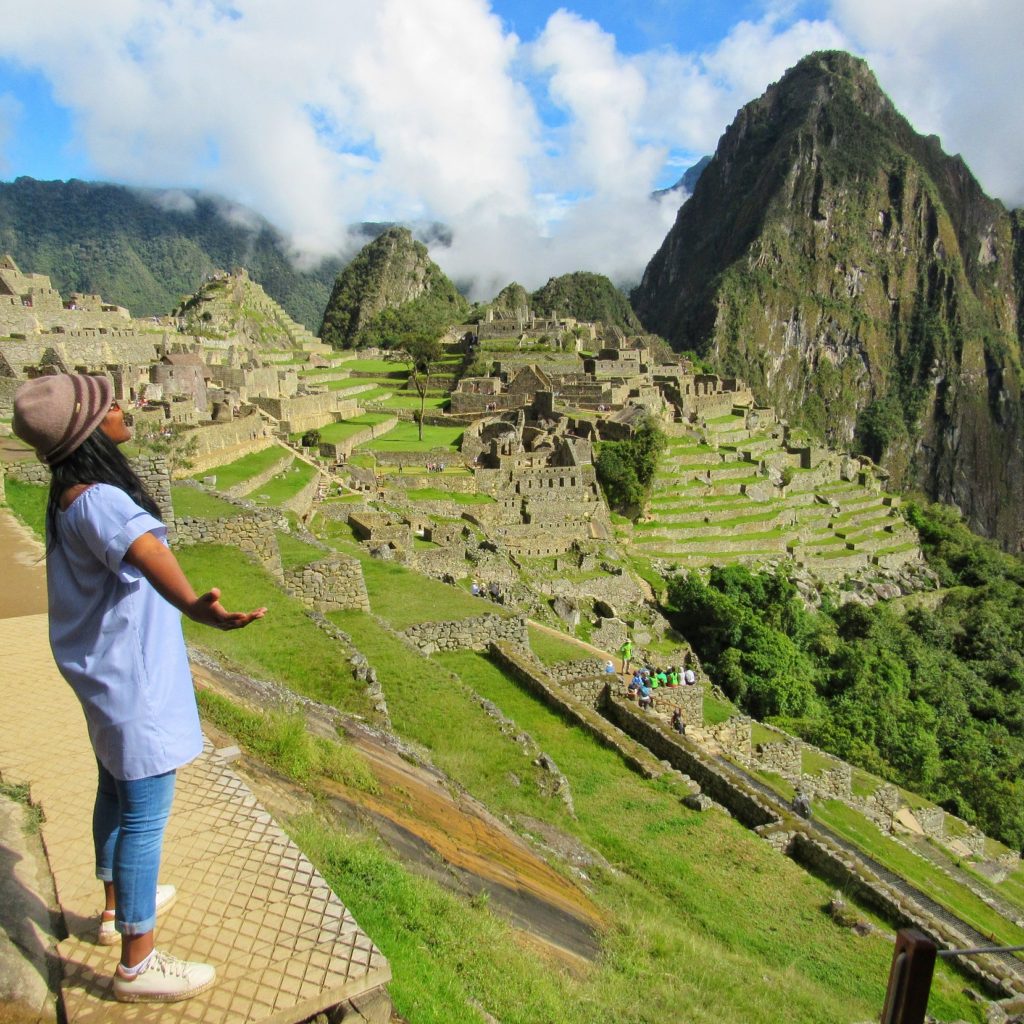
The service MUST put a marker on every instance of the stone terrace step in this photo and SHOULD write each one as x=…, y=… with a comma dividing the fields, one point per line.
x=721, y=542
x=869, y=524
x=249, y=901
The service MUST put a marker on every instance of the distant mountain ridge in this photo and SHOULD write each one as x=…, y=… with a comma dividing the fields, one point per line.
x=120, y=243
x=862, y=282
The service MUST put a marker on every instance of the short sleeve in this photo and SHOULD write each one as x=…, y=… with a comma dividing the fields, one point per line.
x=108, y=522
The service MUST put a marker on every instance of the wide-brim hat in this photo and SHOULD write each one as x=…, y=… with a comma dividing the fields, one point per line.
x=56, y=413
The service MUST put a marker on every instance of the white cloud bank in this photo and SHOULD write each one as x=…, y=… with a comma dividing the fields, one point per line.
x=539, y=154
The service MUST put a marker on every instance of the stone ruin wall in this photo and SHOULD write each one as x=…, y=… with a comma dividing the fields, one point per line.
x=24, y=319
x=263, y=380
x=91, y=349
x=331, y=584
x=253, y=532
x=151, y=470
x=307, y=412
x=224, y=442
x=8, y=385
x=474, y=634
x=784, y=757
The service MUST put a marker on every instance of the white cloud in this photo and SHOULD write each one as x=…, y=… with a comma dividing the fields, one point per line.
x=953, y=68
x=604, y=95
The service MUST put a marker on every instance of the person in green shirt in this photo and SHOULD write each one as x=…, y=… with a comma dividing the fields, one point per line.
x=626, y=650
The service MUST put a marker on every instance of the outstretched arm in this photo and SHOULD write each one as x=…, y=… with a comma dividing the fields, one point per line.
x=157, y=563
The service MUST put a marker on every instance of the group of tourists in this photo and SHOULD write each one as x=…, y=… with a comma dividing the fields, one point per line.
x=435, y=467
x=491, y=590
x=647, y=679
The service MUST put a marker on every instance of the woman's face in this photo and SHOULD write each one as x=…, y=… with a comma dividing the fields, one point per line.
x=114, y=425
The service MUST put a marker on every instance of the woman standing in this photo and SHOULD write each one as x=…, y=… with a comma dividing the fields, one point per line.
x=115, y=591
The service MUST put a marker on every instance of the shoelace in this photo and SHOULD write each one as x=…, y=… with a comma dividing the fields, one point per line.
x=169, y=966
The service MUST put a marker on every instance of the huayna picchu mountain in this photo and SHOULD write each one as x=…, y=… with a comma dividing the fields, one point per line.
x=392, y=273
x=862, y=282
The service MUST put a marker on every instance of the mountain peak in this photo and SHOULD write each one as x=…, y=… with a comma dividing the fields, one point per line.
x=858, y=277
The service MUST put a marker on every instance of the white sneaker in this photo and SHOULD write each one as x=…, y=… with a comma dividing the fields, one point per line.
x=107, y=935
x=165, y=979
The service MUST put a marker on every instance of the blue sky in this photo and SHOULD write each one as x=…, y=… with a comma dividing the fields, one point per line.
x=537, y=132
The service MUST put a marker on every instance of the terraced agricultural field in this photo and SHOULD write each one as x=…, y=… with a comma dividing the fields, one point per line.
x=738, y=495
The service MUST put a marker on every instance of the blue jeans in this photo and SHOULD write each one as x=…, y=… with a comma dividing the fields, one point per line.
x=128, y=823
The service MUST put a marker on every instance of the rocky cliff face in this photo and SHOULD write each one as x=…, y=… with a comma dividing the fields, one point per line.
x=390, y=272
x=862, y=282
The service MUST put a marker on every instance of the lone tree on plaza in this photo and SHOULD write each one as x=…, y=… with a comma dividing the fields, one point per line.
x=422, y=351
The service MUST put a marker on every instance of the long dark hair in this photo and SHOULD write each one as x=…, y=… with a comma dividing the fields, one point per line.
x=97, y=460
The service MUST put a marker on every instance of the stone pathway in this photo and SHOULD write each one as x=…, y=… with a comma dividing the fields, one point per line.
x=249, y=901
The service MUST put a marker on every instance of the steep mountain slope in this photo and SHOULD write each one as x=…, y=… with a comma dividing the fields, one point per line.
x=393, y=272
x=585, y=296
x=688, y=181
x=135, y=248
x=863, y=283
x=233, y=305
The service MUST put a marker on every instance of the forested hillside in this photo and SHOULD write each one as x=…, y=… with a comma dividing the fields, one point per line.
x=926, y=694
x=136, y=249
x=585, y=296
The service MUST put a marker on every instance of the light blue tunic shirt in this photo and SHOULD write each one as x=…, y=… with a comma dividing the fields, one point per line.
x=117, y=641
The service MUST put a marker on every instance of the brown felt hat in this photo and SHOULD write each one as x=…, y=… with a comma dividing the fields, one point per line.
x=55, y=414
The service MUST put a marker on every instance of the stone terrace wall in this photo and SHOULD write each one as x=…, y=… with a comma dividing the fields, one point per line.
x=475, y=634
x=308, y=412
x=517, y=664
x=255, y=482
x=151, y=470
x=741, y=800
x=331, y=584
x=302, y=502
x=253, y=532
x=827, y=861
x=343, y=449
x=224, y=442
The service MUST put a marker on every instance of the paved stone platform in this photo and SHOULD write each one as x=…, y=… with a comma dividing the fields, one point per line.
x=284, y=945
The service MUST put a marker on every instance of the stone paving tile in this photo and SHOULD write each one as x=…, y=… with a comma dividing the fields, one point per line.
x=248, y=900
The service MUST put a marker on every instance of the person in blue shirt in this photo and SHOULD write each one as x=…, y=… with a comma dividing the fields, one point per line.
x=116, y=594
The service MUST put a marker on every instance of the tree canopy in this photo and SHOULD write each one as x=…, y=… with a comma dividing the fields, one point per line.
x=928, y=697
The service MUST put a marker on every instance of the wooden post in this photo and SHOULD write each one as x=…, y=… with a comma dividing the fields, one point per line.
x=910, y=978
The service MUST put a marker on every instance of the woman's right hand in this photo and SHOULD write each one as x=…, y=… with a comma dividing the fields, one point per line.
x=208, y=610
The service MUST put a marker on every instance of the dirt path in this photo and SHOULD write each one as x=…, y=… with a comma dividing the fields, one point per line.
x=24, y=570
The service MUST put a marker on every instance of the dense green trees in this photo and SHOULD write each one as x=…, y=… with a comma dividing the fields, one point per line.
x=929, y=697
x=625, y=469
